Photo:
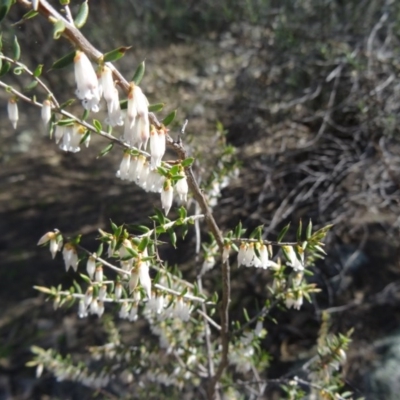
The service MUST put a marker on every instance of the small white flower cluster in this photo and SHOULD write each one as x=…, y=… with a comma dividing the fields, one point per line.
x=137, y=266
x=158, y=307
x=240, y=354
x=137, y=169
x=294, y=296
x=247, y=255
x=111, y=96
x=71, y=136
x=137, y=126
x=129, y=311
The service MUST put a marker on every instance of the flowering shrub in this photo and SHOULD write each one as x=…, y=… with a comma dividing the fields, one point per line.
x=125, y=276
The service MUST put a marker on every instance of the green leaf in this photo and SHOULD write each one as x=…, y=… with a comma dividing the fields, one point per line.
x=123, y=104
x=59, y=28
x=82, y=15
x=182, y=212
x=309, y=230
x=67, y=103
x=299, y=231
x=143, y=244
x=31, y=86
x=85, y=137
x=85, y=278
x=116, y=54
x=66, y=122
x=30, y=14
x=99, y=250
x=238, y=230
x=283, y=232
x=172, y=237
x=187, y=162
x=97, y=125
x=38, y=71
x=174, y=170
x=4, y=8
x=257, y=233
x=77, y=287
x=169, y=118
x=156, y=107
x=160, y=216
x=5, y=68
x=106, y=150
x=138, y=75
x=16, y=49
x=85, y=115
x=64, y=61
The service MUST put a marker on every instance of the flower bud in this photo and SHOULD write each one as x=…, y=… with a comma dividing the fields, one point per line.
x=46, y=112
x=12, y=109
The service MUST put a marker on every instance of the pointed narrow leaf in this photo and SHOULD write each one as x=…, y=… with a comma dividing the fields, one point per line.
x=138, y=75
x=106, y=150
x=309, y=230
x=31, y=86
x=64, y=61
x=143, y=244
x=5, y=68
x=84, y=137
x=16, y=49
x=172, y=237
x=82, y=15
x=59, y=28
x=187, y=162
x=4, y=8
x=299, y=231
x=38, y=70
x=283, y=232
x=169, y=118
x=97, y=125
x=30, y=14
x=156, y=107
x=67, y=103
x=116, y=54
x=85, y=115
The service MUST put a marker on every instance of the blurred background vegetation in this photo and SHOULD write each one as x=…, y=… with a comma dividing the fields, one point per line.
x=309, y=94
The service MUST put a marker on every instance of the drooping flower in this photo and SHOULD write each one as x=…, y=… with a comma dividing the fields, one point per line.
x=70, y=256
x=208, y=264
x=144, y=277
x=293, y=261
x=72, y=137
x=225, y=252
x=46, y=111
x=123, y=171
x=157, y=146
x=55, y=240
x=182, y=187
x=12, y=109
x=86, y=82
x=98, y=275
x=91, y=266
x=167, y=196
x=136, y=131
x=111, y=96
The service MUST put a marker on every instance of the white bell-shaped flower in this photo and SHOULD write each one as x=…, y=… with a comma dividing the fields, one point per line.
x=70, y=256
x=46, y=111
x=167, y=195
x=12, y=109
x=86, y=82
x=182, y=187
